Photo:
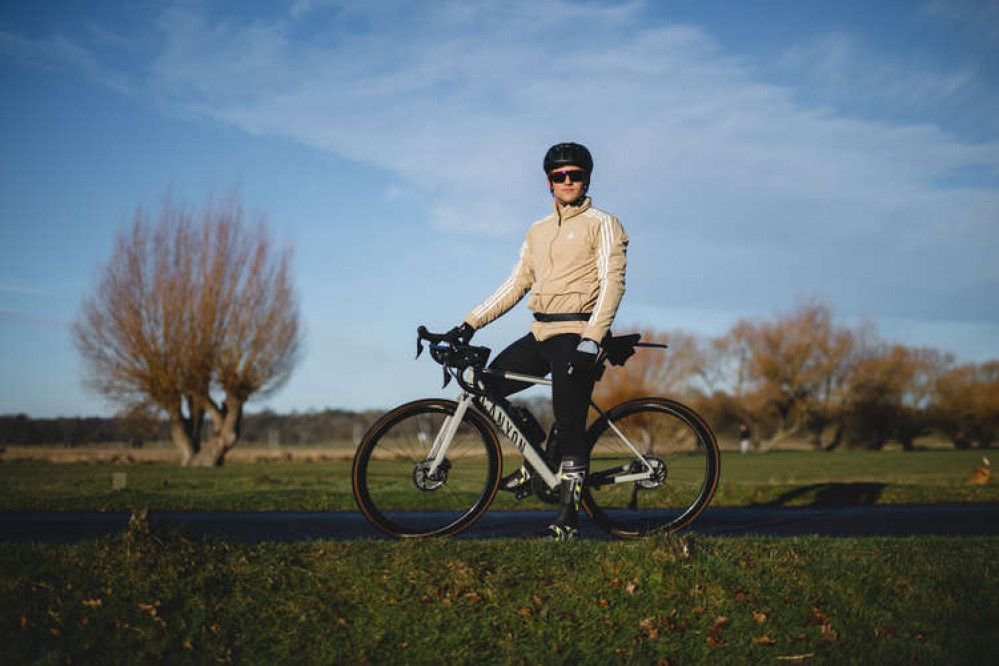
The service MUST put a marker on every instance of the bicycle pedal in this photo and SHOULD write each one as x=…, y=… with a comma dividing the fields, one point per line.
x=520, y=491
x=518, y=483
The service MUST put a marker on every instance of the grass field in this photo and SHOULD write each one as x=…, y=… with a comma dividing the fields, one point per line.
x=781, y=478
x=161, y=597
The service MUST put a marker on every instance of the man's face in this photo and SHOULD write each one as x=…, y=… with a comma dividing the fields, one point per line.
x=567, y=190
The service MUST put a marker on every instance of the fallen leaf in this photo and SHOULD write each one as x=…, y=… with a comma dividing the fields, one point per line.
x=922, y=635
x=92, y=603
x=630, y=588
x=883, y=632
x=742, y=595
x=341, y=622
x=760, y=617
x=187, y=645
x=55, y=632
x=24, y=621
x=647, y=623
x=603, y=602
x=714, y=641
x=720, y=623
x=828, y=632
x=818, y=615
x=764, y=640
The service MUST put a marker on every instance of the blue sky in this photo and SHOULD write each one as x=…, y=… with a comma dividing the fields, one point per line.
x=756, y=153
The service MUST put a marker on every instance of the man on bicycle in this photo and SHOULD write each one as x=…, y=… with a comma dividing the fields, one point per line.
x=573, y=264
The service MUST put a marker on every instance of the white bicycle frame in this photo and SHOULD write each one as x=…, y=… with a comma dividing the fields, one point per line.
x=495, y=413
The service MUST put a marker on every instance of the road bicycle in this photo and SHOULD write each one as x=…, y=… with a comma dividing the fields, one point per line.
x=431, y=467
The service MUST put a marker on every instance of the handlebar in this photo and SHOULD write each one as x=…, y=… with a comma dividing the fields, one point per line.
x=455, y=357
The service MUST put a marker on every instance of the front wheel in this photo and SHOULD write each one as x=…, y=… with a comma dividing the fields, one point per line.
x=403, y=494
x=665, y=488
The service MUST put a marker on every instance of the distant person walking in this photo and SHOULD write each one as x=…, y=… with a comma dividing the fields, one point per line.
x=745, y=437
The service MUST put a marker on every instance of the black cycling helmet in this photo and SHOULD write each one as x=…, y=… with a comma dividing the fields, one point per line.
x=568, y=154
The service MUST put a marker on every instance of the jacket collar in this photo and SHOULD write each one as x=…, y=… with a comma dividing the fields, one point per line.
x=568, y=212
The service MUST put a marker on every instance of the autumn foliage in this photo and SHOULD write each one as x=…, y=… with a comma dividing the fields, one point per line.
x=802, y=375
x=193, y=314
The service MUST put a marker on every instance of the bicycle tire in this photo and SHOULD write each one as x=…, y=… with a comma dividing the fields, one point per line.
x=387, y=475
x=684, y=450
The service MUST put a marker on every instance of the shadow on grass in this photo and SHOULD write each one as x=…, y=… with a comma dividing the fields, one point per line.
x=831, y=494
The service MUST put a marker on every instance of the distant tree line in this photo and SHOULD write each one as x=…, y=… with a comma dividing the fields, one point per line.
x=266, y=427
x=802, y=375
x=798, y=376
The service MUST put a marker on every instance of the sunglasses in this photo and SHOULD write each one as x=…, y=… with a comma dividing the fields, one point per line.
x=573, y=176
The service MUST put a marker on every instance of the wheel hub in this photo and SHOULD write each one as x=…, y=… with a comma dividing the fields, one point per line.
x=658, y=476
x=424, y=480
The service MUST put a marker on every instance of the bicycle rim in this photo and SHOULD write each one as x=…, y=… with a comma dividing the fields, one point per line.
x=683, y=452
x=389, y=480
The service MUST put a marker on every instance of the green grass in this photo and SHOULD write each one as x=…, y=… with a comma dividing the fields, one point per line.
x=785, y=478
x=162, y=598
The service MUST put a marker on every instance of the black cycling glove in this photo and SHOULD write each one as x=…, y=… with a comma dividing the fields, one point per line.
x=461, y=334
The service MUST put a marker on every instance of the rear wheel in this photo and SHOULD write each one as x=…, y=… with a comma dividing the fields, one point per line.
x=680, y=471
x=398, y=490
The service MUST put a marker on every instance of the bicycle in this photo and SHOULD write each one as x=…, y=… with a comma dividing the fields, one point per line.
x=431, y=467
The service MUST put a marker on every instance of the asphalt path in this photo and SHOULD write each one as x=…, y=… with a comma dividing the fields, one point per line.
x=260, y=526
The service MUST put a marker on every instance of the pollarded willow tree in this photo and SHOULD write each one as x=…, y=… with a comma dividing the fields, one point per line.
x=194, y=313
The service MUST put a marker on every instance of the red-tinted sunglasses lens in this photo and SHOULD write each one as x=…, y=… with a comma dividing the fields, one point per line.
x=573, y=176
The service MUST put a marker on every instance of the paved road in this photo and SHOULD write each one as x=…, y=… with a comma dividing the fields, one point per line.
x=252, y=527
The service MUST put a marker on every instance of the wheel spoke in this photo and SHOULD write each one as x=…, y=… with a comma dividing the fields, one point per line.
x=392, y=481
x=682, y=453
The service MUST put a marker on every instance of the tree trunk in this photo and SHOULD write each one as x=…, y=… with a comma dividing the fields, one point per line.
x=178, y=433
x=837, y=439
x=225, y=433
x=181, y=434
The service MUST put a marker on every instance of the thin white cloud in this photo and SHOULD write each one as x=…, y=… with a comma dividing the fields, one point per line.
x=979, y=17
x=59, y=51
x=840, y=70
x=707, y=161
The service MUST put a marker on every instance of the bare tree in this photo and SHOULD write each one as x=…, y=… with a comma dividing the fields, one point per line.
x=889, y=394
x=966, y=404
x=793, y=367
x=192, y=315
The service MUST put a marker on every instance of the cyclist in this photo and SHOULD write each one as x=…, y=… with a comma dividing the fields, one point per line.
x=573, y=263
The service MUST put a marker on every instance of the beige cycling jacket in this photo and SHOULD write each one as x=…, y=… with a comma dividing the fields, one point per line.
x=571, y=261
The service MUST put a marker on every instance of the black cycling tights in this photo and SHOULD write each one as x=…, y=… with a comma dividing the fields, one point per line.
x=570, y=394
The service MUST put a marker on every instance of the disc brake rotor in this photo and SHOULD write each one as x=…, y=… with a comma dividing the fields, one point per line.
x=424, y=480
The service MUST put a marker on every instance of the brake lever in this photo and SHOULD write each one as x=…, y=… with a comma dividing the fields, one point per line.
x=421, y=331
